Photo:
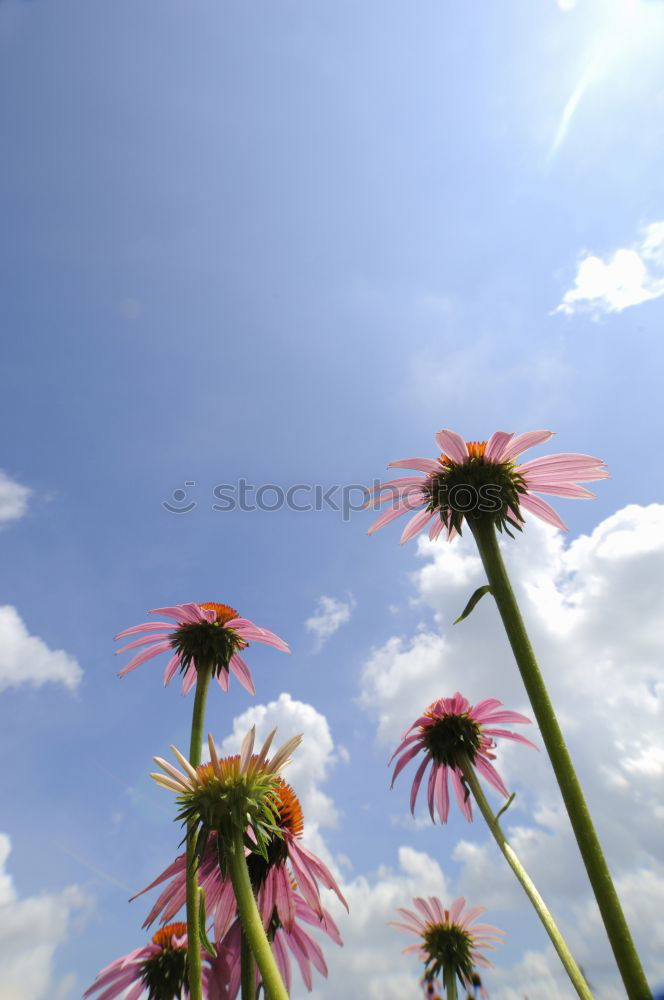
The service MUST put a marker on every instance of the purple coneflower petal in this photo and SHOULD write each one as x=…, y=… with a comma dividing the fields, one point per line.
x=241, y=671
x=416, y=523
x=523, y=442
x=542, y=510
x=453, y=445
x=425, y=465
x=497, y=446
x=143, y=657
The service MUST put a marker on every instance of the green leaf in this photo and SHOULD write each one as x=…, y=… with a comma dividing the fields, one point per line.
x=202, y=933
x=477, y=596
x=506, y=806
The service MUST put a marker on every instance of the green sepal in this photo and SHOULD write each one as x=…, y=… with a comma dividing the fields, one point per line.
x=202, y=933
x=477, y=596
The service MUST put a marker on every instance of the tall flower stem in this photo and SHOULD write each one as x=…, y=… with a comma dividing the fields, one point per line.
x=193, y=930
x=247, y=969
x=450, y=984
x=252, y=925
x=617, y=930
x=572, y=969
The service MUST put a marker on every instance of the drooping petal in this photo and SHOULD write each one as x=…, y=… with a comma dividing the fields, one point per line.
x=417, y=781
x=540, y=508
x=241, y=671
x=402, y=507
x=416, y=523
x=460, y=793
x=143, y=657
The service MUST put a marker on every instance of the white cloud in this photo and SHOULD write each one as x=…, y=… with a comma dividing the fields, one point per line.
x=30, y=931
x=330, y=615
x=630, y=276
x=13, y=499
x=312, y=760
x=594, y=608
x=26, y=659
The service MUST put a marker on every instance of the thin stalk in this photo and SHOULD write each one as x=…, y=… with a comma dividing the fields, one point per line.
x=572, y=969
x=247, y=967
x=610, y=909
x=450, y=984
x=252, y=924
x=193, y=942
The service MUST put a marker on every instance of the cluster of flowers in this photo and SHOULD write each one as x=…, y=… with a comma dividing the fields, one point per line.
x=246, y=792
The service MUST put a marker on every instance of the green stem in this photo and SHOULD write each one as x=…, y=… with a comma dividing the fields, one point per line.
x=247, y=967
x=193, y=935
x=572, y=969
x=617, y=930
x=252, y=924
x=450, y=984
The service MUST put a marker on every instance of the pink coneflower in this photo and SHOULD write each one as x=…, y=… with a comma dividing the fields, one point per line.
x=284, y=866
x=480, y=479
x=449, y=731
x=303, y=948
x=205, y=635
x=157, y=971
x=450, y=941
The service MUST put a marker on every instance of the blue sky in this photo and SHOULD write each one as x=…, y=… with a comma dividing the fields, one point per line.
x=288, y=242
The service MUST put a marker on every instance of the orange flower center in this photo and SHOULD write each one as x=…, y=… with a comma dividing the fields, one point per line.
x=223, y=612
x=163, y=936
x=290, y=810
x=476, y=450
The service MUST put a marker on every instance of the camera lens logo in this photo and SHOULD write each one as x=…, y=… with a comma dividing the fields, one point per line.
x=178, y=497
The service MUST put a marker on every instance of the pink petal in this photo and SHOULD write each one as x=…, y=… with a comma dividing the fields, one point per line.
x=456, y=908
x=463, y=803
x=416, y=523
x=189, y=679
x=491, y=775
x=143, y=657
x=143, y=642
x=389, y=515
x=182, y=613
x=481, y=710
x=417, y=781
x=453, y=445
x=496, y=446
x=146, y=627
x=241, y=671
x=566, y=467
x=171, y=667
x=436, y=528
x=569, y=490
x=283, y=961
x=540, y=508
x=505, y=716
x=407, y=757
x=442, y=793
x=505, y=734
x=523, y=442
x=425, y=465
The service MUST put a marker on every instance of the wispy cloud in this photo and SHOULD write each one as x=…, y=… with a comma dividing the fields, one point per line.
x=13, y=499
x=330, y=615
x=630, y=276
